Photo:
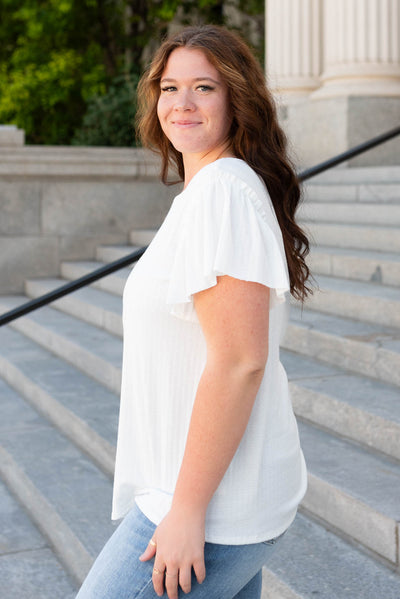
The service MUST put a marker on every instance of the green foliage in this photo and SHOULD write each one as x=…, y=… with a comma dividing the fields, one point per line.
x=64, y=64
x=109, y=119
x=48, y=69
x=45, y=99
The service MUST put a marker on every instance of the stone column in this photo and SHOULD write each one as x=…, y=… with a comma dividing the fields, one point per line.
x=361, y=48
x=292, y=45
x=355, y=95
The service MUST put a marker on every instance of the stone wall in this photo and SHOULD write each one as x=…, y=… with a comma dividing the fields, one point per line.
x=59, y=203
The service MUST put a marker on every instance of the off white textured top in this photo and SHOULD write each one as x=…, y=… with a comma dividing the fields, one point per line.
x=222, y=223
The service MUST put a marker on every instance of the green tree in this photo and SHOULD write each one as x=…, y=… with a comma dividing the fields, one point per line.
x=109, y=119
x=48, y=67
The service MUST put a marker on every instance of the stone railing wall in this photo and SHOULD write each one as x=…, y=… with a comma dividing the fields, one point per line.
x=59, y=203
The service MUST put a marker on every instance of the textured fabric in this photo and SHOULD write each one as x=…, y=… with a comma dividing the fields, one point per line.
x=222, y=223
x=232, y=571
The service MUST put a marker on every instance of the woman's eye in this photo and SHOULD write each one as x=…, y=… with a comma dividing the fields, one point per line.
x=173, y=88
x=205, y=88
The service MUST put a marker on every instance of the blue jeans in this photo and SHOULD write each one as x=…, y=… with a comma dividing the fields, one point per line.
x=232, y=571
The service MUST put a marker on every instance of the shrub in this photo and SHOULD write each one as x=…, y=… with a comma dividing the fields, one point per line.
x=109, y=119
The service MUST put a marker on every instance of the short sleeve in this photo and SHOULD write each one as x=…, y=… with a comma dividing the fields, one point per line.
x=228, y=228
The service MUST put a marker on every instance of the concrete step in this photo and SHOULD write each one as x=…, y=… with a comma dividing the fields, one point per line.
x=373, y=192
x=82, y=409
x=55, y=389
x=355, y=407
x=372, y=184
x=22, y=374
x=56, y=582
x=360, y=265
x=362, y=237
x=113, y=283
x=40, y=484
x=274, y=588
x=99, y=308
x=371, y=424
x=352, y=299
x=25, y=376
x=314, y=562
x=29, y=567
x=360, y=213
x=94, y=352
x=64, y=493
x=353, y=490
x=109, y=253
x=141, y=237
x=366, y=349
x=341, y=174
x=368, y=302
x=363, y=175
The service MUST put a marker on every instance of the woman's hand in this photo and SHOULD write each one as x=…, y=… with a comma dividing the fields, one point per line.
x=178, y=545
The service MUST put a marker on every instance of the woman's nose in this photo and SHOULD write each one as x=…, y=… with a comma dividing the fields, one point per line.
x=184, y=101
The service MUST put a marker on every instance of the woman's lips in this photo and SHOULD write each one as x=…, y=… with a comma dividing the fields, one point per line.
x=185, y=124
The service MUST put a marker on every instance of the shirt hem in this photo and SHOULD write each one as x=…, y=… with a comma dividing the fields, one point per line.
x=223, y=539
x=252, y=539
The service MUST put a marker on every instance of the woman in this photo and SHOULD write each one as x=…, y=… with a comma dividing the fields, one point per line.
x=209, y=470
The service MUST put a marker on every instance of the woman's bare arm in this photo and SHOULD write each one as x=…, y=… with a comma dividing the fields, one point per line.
x=234, y=317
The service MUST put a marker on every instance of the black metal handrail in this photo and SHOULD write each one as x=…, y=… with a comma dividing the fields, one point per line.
x=51, y=296
x=108, y=269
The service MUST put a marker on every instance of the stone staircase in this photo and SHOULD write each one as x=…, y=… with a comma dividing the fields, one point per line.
x=60, y=373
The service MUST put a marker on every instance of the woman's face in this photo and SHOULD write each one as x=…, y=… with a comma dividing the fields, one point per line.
x=193, y=106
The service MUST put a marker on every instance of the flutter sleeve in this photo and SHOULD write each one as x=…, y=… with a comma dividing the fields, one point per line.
x=228, y=228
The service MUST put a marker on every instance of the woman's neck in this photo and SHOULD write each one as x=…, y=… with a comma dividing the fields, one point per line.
x=194, y=163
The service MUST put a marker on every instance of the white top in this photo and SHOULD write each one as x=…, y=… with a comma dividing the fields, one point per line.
x=222, y=223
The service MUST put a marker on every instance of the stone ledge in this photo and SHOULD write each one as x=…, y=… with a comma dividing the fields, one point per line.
x=77, y=161
x=11, y=136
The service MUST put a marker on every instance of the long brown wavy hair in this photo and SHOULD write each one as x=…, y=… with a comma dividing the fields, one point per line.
x=255, y=134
